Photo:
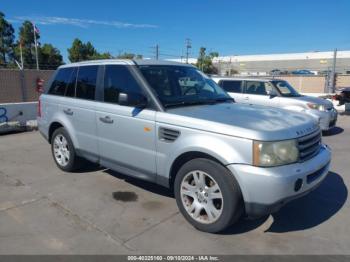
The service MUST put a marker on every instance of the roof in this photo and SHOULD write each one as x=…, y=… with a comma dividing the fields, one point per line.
x=245, y=78
x=124, y=62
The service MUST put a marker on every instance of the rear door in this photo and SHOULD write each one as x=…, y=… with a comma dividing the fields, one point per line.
x=258, y=93
x=78, y=106
x=126, y=134
x=234, y=88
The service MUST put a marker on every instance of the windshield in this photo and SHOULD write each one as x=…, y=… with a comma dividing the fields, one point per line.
x=285, y=89
x=183, y=86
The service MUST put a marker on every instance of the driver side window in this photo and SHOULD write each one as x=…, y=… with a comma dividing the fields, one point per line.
x=258, y=88
x=118, y=79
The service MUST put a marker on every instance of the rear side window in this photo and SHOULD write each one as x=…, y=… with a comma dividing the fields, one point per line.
x=86, y=82
x=59, y=85
x=118, y=79
x=231, y=86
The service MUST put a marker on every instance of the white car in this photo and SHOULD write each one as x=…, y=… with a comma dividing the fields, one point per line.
x=279, y=93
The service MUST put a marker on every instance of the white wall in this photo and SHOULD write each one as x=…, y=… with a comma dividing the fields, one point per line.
x=18, y=112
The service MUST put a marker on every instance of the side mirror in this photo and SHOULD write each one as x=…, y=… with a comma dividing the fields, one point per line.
x=133, y=100
x=272, y=93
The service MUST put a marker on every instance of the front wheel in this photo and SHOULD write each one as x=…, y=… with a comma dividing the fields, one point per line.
x=208, y=195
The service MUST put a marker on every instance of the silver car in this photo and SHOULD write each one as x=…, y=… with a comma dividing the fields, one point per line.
x=170, y=124
x=279, y=93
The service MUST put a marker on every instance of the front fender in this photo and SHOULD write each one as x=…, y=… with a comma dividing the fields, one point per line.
x=226, y=149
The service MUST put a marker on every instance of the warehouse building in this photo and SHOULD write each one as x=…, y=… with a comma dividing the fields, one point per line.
x=316, y=62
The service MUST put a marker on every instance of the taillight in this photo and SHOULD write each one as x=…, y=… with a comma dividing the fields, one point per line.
x=39, y=108
x=39, y=85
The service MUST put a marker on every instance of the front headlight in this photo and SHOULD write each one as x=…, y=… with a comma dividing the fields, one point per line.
x=277, y=153
x=316, y=107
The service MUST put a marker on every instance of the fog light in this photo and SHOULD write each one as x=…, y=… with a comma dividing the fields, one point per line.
x=298, y=184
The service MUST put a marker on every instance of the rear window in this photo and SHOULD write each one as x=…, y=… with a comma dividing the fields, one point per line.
x=86, y=82
x=231, y=86
x=59, y=85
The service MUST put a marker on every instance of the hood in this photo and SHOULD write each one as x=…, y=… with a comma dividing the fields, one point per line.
x=315, y=100
x=246, y=121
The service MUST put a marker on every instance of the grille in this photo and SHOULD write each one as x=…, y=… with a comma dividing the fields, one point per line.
x=168, y=135
x=309, y=145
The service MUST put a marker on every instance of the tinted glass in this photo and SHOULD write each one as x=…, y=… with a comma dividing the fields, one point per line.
x=183, y=85
x=59, y=85
x=86, y=82
x=118, y=79
x=231, y=86
x=70, y=89
x=258, y=88
x=285, y=88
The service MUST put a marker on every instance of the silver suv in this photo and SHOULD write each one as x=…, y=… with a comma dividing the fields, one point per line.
x=279, y=93
x=170, y=124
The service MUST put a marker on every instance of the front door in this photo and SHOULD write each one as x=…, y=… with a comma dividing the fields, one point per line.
x=258, y=93
x=126, y=134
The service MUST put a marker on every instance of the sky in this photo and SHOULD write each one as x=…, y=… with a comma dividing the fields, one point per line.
x=230, y=27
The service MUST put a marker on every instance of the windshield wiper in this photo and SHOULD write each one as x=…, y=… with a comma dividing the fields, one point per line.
x=199, y=102
x=224, y=99
x=185, y=103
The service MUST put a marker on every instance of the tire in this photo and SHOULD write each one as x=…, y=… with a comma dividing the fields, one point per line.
x=222, y=212
x=71, y=161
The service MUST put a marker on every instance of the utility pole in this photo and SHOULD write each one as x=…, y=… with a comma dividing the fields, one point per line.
x=157, y=51
x=188, y=46
x=334, y=75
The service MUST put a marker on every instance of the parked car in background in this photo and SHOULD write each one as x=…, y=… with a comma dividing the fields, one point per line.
x=277, y=72
x=279, y=93
x=343, y=95
x=170, y=124
x=302, y=72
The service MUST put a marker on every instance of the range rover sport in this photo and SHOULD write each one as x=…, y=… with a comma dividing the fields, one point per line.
x=170, y=124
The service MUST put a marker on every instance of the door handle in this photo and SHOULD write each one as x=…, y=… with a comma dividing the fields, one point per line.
x=106, y=120
x=68, y=111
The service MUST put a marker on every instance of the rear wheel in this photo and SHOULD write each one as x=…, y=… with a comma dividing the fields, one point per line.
x=63, y=151
x=207, y=195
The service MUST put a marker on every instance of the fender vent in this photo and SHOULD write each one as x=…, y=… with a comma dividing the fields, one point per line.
x=168, y=135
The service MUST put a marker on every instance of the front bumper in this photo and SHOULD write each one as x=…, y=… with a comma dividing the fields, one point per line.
x=266, y=190
x=327, y=119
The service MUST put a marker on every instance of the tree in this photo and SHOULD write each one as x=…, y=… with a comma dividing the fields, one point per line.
x=129, y=56
x=26, y=38
x=50, y=57
x=205, y=62
x=76, y=52
x=97, y=55
x=89, y=50
x=81, y=51
x=7, y=38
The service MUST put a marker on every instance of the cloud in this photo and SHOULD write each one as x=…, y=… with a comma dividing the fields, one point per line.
x=84, y=23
